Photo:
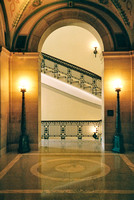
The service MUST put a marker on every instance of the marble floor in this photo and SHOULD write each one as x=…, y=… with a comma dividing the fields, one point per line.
x=72, y=145
x=67, y=175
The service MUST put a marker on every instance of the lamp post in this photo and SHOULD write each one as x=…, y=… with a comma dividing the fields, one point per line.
x=118, y=146
x=24, y=140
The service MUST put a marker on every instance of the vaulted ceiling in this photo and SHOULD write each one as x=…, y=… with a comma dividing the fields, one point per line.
x=24, y=22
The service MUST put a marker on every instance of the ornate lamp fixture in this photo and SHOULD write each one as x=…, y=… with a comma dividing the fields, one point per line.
x=95, y=51
x=24, y=140
x=118, y=146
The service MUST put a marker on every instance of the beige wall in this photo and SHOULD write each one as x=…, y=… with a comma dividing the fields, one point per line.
x=73, y=44
x=4, y=99
x=57, y=105
x=118, y=65
x=76, y=45
x=24, y=66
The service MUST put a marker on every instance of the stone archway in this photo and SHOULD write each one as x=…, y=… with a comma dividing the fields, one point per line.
x=48, y=24
x=79, y=24
x=106, y=27
x=67, y=22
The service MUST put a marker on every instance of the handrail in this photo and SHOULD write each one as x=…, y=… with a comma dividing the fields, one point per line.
x=71, y=66
x=72, y=121
x=71, y=74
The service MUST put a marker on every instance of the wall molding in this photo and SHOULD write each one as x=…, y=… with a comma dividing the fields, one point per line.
x=26, y=54
x=118, y=54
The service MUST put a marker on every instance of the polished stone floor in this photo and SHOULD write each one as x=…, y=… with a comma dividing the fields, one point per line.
x=67, y=176
x=69, y=144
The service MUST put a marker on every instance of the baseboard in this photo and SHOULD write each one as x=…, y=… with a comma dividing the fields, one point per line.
x=128, y=147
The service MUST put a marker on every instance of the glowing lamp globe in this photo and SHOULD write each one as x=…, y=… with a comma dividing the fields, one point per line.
x=117, y=85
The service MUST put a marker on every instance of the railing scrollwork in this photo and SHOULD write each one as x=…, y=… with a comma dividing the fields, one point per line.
x=71, y=74
x=75, y=129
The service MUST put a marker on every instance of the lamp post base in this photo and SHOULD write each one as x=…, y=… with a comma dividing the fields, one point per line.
x=24, y=144
x=118, y=144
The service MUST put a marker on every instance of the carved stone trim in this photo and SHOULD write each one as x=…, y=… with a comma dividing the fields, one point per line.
x=104, y=1
x=121, y=11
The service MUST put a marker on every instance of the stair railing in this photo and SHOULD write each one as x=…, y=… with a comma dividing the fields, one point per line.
x=71, y=74
x=71, y=129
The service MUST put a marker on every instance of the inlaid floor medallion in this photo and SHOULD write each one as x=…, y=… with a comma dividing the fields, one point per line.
x=71, y=169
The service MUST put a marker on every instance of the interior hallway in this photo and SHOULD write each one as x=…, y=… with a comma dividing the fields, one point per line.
x=67, y=175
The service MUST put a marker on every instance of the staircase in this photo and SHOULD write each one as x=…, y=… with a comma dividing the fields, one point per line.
x=78, y=82
x=71, y=74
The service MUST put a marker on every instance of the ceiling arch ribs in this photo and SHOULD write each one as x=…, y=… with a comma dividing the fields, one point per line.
x=2, y=29
x=6, y=31
x=71, y=21
x=100, y=15
x=64, y=15
x=34, y=17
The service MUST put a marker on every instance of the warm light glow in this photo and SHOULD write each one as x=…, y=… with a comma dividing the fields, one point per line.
x=94, y=129
x=117, y=84
x=95, y=44
x=24, y=84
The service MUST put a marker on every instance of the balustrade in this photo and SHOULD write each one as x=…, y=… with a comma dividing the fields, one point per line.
x=73, y=129
x=71, y=74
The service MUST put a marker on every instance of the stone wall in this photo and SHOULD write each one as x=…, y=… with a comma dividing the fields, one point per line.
x=118, y=65
x=24, y=67
x=4, y=99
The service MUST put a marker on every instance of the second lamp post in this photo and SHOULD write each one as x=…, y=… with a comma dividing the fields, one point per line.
x=118, y=145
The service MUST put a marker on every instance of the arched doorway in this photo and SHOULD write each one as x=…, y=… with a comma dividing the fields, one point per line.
x=110, y=27
x=75, y=44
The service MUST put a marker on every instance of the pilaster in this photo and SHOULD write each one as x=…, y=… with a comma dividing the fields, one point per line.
x=24, y=68
x=4, y=99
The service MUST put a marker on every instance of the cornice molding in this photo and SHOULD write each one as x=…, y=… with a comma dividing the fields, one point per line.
x=120, y=54
x=26, y=54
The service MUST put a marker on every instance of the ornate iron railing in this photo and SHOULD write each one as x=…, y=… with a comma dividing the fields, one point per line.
x=77, y=129
x=71, y=74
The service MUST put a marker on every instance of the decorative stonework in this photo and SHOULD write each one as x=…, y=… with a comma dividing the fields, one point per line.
x=71, y=169
x=129, y=5
x=121, y=10
x=19, y=14
x=13, y=5
x=37, y=3
x=70, y=4
x=104, y=1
